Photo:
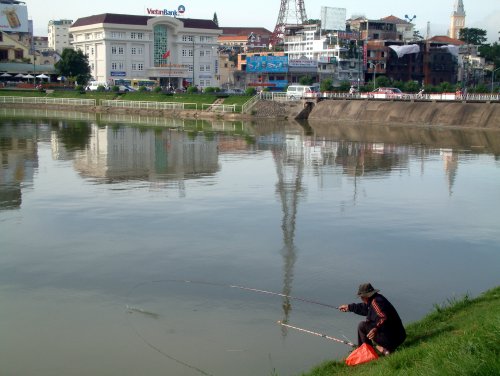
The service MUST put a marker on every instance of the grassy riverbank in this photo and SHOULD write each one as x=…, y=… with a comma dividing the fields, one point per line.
x=460, y=337
x=131, y=96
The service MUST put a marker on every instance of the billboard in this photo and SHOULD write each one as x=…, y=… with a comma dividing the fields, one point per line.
x=13, y=17
x=333, y=18
x=267, y=64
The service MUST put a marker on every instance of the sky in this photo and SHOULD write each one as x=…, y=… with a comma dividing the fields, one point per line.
x=264, y=13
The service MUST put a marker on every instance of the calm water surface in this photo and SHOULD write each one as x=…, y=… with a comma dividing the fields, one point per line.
x=104, y=220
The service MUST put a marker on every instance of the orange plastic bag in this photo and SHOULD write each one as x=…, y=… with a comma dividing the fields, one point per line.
x=363, y=354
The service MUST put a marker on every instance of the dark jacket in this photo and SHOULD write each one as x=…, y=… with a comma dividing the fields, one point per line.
x=381, y=314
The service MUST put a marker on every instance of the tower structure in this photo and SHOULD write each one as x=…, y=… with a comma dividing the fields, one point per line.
x=457, y=19
x=292, y=12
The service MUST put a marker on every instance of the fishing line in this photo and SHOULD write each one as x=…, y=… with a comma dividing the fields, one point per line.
x=248, y=289
x=149, y=344
x=157, y=349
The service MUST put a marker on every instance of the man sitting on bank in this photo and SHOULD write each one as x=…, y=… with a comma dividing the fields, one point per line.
x=382, y=325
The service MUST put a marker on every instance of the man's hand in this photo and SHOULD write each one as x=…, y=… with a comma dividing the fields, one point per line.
x=344, y=308
x=371, y=334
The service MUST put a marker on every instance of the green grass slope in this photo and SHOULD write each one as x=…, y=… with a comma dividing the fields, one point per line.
x=461, y=337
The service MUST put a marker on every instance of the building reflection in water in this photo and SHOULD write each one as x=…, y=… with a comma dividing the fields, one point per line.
x=19, y=161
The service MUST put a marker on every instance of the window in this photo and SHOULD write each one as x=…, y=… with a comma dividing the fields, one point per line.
x=133, y=35
x=133, y=50
x=140, y=66
x=140, y=35
x=88, y=36
x=113, y=50
x=184, y=53
x=187, y=38
x=121, y=50
x=134, y=66
x=190, y=53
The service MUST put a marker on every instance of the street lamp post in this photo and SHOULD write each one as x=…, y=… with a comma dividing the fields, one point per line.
x=374, y=67
x=493, y=78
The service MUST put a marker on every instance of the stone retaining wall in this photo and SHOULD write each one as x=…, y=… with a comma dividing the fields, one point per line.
x=460, y=114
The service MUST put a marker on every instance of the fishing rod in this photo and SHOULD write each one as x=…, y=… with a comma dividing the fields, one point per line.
x=318, y=334
x=251, y=289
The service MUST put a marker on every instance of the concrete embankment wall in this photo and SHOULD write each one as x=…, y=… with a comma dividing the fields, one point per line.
x=460, y=114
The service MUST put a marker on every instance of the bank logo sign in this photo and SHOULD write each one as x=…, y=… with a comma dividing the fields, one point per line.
x=167, y=12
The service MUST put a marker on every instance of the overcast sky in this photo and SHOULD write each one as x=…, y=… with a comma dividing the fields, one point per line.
x=263, y=13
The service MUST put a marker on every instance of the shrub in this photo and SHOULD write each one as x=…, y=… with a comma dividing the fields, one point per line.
x=142, y=89
x=210, y=89
x=115, y=88
x=157, y=89
x=326, y=85
x=80, y=88
x=192, y=89
x=250, y=91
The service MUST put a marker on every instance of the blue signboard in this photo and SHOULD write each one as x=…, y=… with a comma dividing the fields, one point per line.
x=118, y=74
x=267, y=64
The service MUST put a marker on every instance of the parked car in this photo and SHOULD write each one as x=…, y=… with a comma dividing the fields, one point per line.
x=94, y=85
x=125, y=88
x=301, y=91
x=388, y=92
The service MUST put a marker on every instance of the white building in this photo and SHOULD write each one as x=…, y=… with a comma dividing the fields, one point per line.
x=335, y=55
x=173, y=51
x=58, y=35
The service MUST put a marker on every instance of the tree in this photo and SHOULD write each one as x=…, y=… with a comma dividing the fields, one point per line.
x=74, y=64
x=472, y=36
x=326, y=85
x=215, y=19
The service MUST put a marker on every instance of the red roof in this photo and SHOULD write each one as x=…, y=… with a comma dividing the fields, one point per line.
x=245, y=31
x=446, y=40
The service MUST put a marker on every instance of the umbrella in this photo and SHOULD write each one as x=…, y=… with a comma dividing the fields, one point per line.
x=5, y=75
x=19, y=75
x=42, y=76
x=61, y=78
x=28, y=76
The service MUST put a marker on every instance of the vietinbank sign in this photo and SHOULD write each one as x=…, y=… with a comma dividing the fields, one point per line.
x=166, y=12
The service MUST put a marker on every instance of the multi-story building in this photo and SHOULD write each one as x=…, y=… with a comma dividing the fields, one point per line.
x=173, y=51
x=58, y=35
x=40, y=43
x=321, y=55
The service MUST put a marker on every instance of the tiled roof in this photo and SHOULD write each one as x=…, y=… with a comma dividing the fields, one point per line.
x=394, y=19
x=446, y=40
x=245, y=31
x=129, y=19
x=233, y=37
x=121, y=19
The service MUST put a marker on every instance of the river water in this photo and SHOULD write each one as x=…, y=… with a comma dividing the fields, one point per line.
x=133, y=245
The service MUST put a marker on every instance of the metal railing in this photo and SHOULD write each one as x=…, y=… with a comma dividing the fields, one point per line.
x=54, y=101
x=481, y=97
x=143, y=105
x=247, y=106
x=219, y=107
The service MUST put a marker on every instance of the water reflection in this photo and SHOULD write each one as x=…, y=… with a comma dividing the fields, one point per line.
x=18, y=149
x=266, y=209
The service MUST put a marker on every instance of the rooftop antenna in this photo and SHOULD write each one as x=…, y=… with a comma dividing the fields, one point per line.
x=292, y=12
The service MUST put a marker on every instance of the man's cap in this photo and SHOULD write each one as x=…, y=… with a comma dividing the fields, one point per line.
x=366, y=290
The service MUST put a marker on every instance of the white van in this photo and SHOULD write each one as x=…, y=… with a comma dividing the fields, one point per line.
x=301, y=91
x=93, y=85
